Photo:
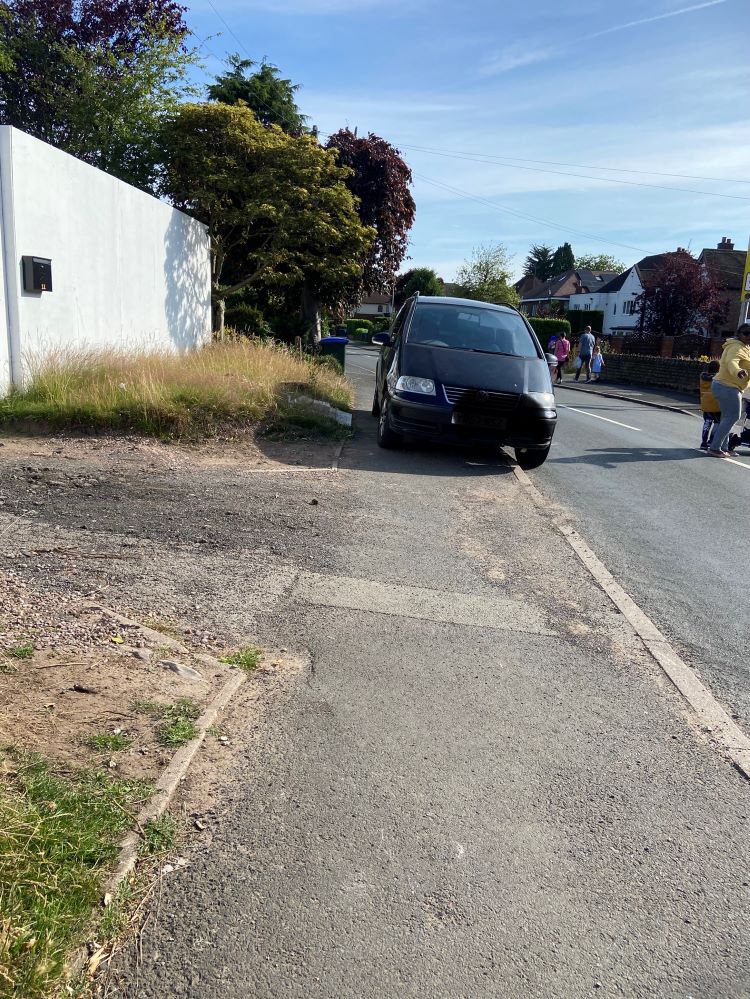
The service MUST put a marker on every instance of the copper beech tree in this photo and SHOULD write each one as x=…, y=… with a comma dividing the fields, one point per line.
x=681, y=298
x=380, y=180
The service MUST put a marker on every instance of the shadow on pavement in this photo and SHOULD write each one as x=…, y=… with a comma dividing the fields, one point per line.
x=418, y=457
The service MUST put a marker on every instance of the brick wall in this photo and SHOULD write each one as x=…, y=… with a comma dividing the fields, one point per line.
x=666, y=372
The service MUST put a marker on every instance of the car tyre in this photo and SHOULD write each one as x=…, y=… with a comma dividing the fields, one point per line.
x=531, y=457
x=375, y=404
x=387, y=437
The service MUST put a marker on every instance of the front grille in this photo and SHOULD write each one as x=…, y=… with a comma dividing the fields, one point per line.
x=479, y=399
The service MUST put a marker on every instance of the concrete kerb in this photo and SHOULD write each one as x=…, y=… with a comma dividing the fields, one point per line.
x=710, y=715
x=627, y=398
x=178, y=766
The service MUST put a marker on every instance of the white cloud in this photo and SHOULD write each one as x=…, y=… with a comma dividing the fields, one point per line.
x=518, y=55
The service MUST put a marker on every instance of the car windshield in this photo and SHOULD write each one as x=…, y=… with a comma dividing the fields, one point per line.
x=468, y=327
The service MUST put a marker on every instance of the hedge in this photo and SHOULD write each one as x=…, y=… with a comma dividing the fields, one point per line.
x=353, y=325
x=580, y=318
x=544, y=328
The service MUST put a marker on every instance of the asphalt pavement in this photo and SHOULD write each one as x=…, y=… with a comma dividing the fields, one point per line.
x=484, y=786
x=667, y=520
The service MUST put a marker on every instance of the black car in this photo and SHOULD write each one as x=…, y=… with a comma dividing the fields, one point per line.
x=452, y=369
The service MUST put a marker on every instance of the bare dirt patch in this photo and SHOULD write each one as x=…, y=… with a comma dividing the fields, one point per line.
x=75, y=683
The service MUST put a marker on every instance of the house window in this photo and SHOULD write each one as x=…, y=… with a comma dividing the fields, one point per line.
x=587, y=308
x=628, y=308
x=614, y=308
x=380, y=308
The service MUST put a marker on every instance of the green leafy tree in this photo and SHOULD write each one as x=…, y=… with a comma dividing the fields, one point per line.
x=599, y=262
x=279, y=213
x=95, y=78
x=265, y=92
x=486, y=276
x=563, y=259
x=380, y=180
x=538, y=263
x=419, y=279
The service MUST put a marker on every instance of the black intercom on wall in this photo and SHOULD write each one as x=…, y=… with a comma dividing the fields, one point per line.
x=37, y=274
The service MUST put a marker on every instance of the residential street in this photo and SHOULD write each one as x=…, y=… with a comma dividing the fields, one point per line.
x=484, y=787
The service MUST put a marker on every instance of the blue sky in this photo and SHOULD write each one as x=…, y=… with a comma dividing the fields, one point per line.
x=651, y=85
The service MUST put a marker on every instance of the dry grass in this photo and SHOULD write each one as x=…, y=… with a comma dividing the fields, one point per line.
x=236, y=384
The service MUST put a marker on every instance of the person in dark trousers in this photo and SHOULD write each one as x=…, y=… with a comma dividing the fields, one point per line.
x=709, y=405
x=585, y=349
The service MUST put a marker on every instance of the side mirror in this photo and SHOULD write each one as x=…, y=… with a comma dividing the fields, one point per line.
x=551, y=360
x=382, y=339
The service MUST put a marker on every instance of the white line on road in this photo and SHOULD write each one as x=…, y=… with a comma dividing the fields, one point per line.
x=605, y=418
x=735, y=462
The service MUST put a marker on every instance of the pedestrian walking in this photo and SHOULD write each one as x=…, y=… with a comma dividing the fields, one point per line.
x=585, y=349
x=597, y=363
x=709, y=404
x=728, y=384
x=562, y=353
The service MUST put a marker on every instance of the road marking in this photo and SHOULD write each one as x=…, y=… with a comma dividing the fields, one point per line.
x=711, y=716
x=735, y=462
x=605, y=418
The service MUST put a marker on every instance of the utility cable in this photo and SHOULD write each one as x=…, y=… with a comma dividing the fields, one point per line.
x=523, y=215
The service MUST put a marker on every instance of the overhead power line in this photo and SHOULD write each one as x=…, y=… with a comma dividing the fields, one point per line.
x=582, y=166
x=497, y=161
x=524, y=215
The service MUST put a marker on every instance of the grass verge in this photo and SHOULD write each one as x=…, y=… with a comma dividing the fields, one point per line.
x=236, y=384
x=58, y=837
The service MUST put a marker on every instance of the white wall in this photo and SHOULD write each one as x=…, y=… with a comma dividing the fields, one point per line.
x=127, y=269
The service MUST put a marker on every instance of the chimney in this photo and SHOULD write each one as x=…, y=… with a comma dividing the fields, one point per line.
x=725, y=244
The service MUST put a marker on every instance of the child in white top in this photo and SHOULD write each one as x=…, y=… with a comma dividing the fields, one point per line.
x=597, y=363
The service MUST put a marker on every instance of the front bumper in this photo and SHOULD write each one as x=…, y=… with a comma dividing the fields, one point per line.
x=526, y=426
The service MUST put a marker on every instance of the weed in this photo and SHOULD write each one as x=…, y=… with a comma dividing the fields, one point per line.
x=176, y=721
x=25, y=651
x=239, y=383
x=58, y=835
x=6, y=667
x=109, y=742
x=176, y=733
x=159, y=836
x=246, y=658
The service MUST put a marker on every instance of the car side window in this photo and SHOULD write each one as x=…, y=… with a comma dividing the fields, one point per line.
x=398, y=325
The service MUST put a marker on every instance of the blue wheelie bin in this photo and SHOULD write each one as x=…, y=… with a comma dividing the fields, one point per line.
x=335, y=346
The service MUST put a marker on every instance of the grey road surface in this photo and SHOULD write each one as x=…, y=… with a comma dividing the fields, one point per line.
x=483, y=787
x=672, y=524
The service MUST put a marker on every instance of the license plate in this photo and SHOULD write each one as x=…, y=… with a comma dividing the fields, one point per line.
x=479, y=420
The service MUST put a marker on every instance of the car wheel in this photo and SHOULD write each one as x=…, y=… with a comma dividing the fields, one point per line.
x=375, y=404
x=531, y=457
x=387, y=437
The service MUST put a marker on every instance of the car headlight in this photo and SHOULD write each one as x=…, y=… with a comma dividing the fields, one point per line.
x=411, y=383
x=545, y=400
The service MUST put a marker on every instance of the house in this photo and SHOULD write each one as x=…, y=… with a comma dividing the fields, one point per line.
x=616, y=300
x=557, y=291
x=727, y=266
x=379, y=304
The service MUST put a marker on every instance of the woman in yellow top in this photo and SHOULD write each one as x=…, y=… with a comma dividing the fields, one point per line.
x=729, y=383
